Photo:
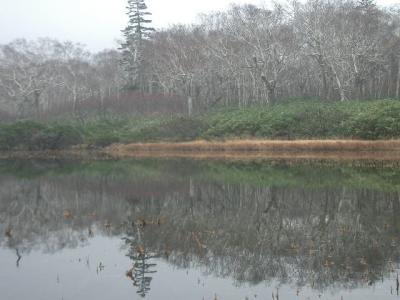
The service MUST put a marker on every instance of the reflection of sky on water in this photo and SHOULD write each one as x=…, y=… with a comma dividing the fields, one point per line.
x=74, y=274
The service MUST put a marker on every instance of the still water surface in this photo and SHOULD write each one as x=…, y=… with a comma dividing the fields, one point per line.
x=182, y=229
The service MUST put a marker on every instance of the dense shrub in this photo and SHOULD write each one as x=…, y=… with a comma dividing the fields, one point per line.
x=30, y=135
x=19, y=134
x=182, y=129
x=381, y=120
x=55, y=137
x=310, y=120
x=294, y=120
x=105, y=140
x=173, y=129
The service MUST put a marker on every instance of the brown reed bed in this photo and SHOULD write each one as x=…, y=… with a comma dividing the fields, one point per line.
x=313, y=150
x=260, y=146
x=229, y=155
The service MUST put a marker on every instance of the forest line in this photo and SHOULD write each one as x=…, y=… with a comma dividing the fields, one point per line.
x=328, y=50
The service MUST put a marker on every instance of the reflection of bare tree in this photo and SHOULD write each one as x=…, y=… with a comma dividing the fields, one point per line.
x=12, y=244
x=19, y=257
x=316, y=237
x=310, y=236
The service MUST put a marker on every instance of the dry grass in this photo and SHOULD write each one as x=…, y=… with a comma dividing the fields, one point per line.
x=263, y=145
x=327, y=150
x=269, y=149
x=333, y=156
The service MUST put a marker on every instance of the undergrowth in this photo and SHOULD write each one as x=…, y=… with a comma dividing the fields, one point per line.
x=369, y=120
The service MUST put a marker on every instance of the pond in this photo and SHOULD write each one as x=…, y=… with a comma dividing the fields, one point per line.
x=198, y=229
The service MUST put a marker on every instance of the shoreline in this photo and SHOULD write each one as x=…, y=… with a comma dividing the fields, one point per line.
x=333, y=150
x=259, y=145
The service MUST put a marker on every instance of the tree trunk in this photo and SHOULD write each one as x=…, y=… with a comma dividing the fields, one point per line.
x=37, y=103
x=190, y=106
x=324, y=72
x=74, y=101
x=398, y=82
x=339, y=84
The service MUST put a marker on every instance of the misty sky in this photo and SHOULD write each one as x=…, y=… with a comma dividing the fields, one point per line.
x=96, y=23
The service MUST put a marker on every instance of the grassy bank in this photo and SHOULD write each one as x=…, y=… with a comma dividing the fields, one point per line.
x=371, y=120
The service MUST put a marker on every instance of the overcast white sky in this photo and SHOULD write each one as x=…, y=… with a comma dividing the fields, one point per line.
x=96, y=23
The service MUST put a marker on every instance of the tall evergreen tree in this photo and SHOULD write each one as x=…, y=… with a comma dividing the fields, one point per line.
x=136, y=32
x=366, y=3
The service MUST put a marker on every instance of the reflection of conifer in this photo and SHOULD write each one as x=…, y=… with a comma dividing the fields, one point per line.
x=141, y=271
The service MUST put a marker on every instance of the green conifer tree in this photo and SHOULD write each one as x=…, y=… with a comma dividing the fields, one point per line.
x=135, y=34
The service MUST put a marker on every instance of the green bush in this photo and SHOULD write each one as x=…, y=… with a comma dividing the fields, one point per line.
x=55, y=137
x=182, y=129
x=28, y=135
x=380, y=120
x=105, y=140
x=19, y=134
x=310, y=120
x=173, y=129
x=293, y=120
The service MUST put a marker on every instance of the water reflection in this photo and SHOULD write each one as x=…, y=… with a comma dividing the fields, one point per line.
x=311, y=226
x=142, y=258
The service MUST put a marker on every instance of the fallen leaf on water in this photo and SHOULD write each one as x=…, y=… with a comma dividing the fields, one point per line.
x=328, y=263
x=160, y=221
x=140, y=249
x=140, y=223
x=8, y=233
x=129, y=273
x=294, y=247
x=67, y=214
